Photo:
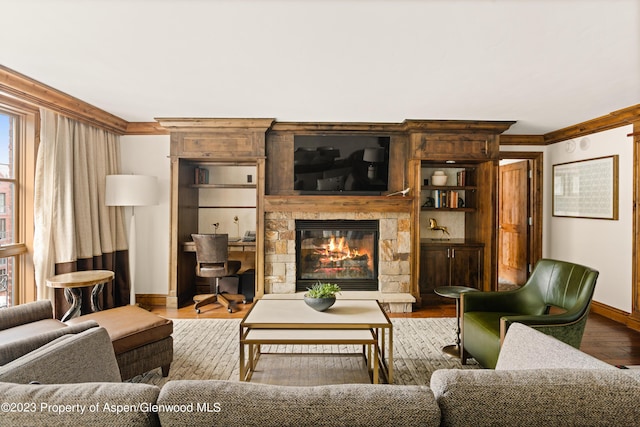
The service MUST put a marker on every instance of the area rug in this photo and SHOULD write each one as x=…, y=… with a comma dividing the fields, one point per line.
x=208, y=349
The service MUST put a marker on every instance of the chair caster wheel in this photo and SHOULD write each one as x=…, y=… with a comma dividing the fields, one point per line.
x=244, y=301
x=198, y=310
x=229, y=310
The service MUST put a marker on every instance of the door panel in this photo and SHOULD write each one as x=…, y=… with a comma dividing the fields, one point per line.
x=513, y=243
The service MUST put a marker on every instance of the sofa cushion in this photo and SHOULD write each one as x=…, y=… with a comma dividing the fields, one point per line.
x=542, y=397
x=88, y=404
x=229, y=404
x=130, y=326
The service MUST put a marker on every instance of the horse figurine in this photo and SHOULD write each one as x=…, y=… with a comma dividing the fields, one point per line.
x=433, y=225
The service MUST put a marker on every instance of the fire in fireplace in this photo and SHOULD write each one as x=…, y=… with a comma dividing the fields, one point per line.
x=337, y=251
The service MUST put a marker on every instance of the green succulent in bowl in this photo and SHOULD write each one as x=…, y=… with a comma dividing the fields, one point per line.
x=323, y=290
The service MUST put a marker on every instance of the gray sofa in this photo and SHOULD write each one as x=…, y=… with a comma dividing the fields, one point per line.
x=538, y=381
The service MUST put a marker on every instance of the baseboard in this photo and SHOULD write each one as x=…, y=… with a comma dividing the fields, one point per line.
x=633, y=321
x=151, y=299
x=614, y=314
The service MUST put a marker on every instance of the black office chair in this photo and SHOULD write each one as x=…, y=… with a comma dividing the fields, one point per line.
x=212, y=261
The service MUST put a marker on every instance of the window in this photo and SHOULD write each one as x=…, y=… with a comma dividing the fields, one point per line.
x=17, y=151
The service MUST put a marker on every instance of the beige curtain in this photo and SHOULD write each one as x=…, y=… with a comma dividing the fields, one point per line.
x=74, y=230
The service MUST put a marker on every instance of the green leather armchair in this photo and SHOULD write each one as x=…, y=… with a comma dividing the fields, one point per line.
x=555, y=300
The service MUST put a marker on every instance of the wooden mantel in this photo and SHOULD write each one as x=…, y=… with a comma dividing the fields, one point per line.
x=310, y=203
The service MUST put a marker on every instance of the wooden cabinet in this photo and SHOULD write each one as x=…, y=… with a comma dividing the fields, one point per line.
x=200, y=142
x=270, y=146
x=461, y=146
x=471, y=221
x=449, y=265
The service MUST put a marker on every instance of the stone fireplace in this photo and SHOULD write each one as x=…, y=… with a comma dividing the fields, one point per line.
x=392, y=284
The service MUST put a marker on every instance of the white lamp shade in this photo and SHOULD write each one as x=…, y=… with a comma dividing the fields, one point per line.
x=373, y=155
x=131, y=190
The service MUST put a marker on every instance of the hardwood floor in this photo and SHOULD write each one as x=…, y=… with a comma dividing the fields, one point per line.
x=604, y=339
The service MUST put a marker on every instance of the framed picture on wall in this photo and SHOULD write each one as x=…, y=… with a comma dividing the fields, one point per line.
x=586, y=188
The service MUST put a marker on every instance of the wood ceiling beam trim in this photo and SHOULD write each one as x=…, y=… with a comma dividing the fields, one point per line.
x=457, y=126
x=338, y=128
x=199, y=124
x=612, y=120
x=36, y=93
x=146, y=128
x=522, y=140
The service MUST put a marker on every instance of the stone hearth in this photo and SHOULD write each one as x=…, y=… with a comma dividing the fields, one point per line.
x=394, y=270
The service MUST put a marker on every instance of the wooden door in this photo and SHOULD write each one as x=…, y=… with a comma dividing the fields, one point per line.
x=466, y=266
x=513, y=217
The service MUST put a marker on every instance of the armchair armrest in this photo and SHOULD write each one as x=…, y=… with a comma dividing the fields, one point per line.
x=15, y=349
x=508, y=302
x=25, y=313
x=73, y=358
x=533, y=320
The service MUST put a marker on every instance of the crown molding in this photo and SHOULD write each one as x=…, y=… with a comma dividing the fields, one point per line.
x=146, y=128
x=612, y=120
x=33, y=92
x=522, y=140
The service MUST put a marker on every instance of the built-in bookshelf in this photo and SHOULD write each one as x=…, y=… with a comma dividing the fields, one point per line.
x=457, y=194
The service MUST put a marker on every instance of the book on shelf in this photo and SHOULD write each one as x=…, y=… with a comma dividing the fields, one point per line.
x=461, y=178
x=201, y=176
x=446, y=199
x=437, y=201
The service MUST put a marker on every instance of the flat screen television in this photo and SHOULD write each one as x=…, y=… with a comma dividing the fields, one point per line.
x=341, y=164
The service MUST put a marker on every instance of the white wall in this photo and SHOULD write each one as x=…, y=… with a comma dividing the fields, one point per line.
x=148, y=155
x=602, y=244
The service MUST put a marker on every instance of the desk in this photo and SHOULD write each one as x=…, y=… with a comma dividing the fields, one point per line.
x=245, y=252
x=72, y=282
x=239, y=245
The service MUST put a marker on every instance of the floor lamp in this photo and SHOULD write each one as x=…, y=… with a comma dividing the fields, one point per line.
x=131, y=190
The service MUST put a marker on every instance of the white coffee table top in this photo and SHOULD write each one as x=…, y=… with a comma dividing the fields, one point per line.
x=295, y=314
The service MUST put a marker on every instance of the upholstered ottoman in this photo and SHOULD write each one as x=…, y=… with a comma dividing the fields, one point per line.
x=141, y=340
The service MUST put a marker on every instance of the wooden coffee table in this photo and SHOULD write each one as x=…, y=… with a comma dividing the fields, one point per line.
x=291, y=321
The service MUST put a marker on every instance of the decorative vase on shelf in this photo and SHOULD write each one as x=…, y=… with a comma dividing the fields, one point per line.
x=439, y=178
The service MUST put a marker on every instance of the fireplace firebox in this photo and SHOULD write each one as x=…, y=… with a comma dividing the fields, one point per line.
x=344, y=252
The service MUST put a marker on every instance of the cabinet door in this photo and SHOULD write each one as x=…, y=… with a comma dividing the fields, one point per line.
x=434, y=268
x=447, y=146
x=466, y=267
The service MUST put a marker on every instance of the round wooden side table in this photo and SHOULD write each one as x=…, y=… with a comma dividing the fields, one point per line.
x=72, y=282
x=454, y=292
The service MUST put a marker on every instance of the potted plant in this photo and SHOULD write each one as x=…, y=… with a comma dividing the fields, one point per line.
x=321, y=296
